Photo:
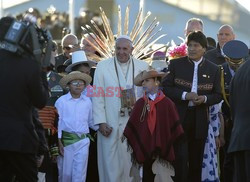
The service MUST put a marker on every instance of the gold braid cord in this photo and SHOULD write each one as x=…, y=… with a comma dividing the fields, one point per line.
x=142, y=41
x=223, y=87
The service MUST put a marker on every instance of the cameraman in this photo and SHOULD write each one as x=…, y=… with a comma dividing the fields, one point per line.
x=23, y=85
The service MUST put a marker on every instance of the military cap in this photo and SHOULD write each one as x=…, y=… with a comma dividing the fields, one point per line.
x=235, y=49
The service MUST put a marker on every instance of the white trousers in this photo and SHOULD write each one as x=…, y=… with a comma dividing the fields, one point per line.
x=72, y=167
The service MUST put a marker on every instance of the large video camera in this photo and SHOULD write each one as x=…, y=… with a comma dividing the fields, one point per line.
x=24, y=37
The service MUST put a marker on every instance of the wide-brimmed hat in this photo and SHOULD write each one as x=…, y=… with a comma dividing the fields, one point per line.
x=75, y=75
x=147, y=74
x=79, y=57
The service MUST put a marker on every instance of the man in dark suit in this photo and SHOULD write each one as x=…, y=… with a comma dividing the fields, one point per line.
x=216, y=55
x=23, y=85
x=193, y=83
x=235, y=53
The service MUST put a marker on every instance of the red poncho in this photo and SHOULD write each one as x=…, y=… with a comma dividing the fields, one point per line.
x=167, y=130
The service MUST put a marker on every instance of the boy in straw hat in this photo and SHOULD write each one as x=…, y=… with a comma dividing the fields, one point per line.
x=75, y=118
x=153, y=126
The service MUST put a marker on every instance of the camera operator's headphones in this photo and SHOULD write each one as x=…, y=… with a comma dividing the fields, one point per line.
x=23, y=37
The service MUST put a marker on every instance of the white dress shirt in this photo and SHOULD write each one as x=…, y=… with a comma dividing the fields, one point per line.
x=231, y=71
x=194, y=83
x=75, y=115
x=124, y=67
x=152, y=96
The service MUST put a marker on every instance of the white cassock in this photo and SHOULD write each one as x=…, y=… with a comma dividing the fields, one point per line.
x=114, y=161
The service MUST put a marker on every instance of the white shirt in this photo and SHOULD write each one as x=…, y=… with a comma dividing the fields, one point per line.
x=152, y=96
x=222, y=53
x=194, y=83
x=231, y=71
x=124, y=67
x=75, y=115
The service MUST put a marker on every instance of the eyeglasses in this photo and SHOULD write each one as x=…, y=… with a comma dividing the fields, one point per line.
x=67, y=48
x=77, y=83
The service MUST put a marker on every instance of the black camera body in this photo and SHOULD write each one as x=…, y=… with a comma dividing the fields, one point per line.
x=24, y=37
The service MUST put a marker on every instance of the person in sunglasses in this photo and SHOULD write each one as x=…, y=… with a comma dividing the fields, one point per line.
x=75, y=118
x=69, y=42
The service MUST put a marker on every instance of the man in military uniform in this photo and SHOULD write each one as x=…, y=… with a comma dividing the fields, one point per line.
x=239, y=145
x=235, y=51
x=69, y=42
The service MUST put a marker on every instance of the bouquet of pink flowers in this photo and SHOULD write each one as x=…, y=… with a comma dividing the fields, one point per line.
x=176, y=51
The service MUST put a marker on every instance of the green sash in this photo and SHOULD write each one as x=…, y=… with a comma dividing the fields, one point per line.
x=71, y=138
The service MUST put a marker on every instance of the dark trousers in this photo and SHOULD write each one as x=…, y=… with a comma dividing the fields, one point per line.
x=228, y=168
x=189, y=153
x=19, y=165
x=148, y=175
x=92, y=171
x=227, y=163
x=242, y=166
x=49, y=168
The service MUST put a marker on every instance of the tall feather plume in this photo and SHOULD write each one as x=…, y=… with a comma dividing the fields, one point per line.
x=105, y=42
x=107, y=27
x=119, y=26
x=102, y=36
x=145, y=38
x=94, y=46
x=126, y=21
x=140, y=26
x=146, y=42
x=136, y=23
x=146, y=33
x=97, y=40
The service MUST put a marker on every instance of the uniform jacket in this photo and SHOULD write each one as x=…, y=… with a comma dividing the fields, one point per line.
x=59, y=60
x=239, y=102
x=55, y=89
x=179, y=79
x=215, y=56
x=227, y=81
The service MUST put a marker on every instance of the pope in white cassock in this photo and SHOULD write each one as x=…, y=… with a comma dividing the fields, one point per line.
x=114, y=161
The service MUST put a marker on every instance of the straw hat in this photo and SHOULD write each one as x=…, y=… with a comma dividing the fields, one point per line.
x=74, y=75
x=147, y=74
x=79, y=57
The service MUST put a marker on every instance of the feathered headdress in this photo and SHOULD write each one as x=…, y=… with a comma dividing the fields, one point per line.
x=105, y=42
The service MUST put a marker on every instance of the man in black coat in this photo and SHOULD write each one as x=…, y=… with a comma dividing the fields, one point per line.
x=239, y=146
x=216, y=55
x=23, y=85
x=193, y=83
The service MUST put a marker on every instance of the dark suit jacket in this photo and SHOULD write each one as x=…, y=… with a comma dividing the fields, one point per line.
x=240, y=107
x=179, y=79
x=55, y=89
x=21, y=89
x=59, y=60
x=214, y=55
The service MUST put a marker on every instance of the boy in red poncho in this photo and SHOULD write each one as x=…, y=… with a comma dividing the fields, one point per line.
x=153, y=126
